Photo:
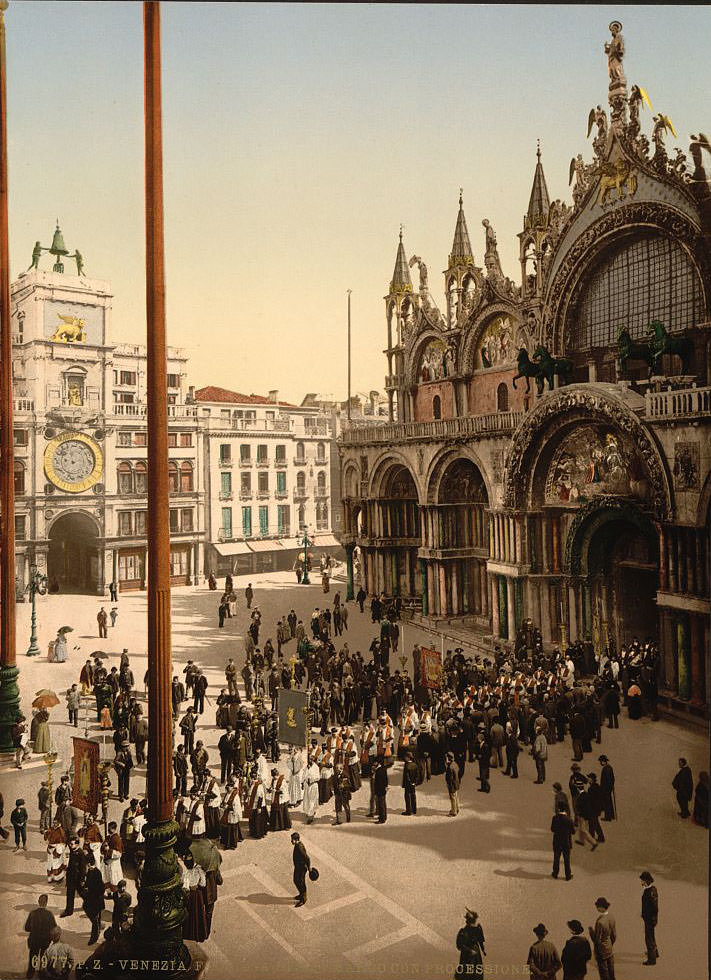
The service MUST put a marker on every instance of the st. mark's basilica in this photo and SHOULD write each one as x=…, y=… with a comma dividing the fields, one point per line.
x=548, y=455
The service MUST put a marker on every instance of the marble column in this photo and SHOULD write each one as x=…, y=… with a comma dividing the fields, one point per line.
x=554, y=547
x=511, y=608
x=454, y=572
x=671, y=560
x=494, y=586
x=444, y=607
x=689, y=541
x=545, y=562
x=663, y=573
x=696, y=641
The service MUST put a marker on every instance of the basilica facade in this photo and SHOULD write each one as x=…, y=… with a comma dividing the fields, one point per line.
x=551, y=456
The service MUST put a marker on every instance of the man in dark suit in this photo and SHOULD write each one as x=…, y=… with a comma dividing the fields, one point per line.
x=607, y=785
x=40, y=923
x=576, y=953
x=410, y=773
x=650, y=914
x=562, y=828
x=683, y=783
x=380, y=789
x=76, y=872
x=302, y=864
x=199, y=689
x=604, y=935
x=93, y=903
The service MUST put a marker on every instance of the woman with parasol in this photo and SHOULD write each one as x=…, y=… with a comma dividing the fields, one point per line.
x=59, y=651
x=44, y=700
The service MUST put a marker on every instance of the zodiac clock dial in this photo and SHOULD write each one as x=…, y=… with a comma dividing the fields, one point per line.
x=73, y=462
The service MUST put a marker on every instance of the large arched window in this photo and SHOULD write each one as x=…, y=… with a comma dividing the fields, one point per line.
x=300, y=455
x=437, y=407
x=173, y=477
x=140, y=481
x=650, y=278
x=502, y=398
x=125, y=477
x=19, y=477
x=321, y=482
x=301, y=481
x=186, y=476
x=320, y=451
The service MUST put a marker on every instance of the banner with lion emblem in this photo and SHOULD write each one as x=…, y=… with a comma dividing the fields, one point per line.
x=292, y=717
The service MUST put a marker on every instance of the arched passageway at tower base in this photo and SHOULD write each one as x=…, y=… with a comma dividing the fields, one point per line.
x=614, y=557
x=73, y=560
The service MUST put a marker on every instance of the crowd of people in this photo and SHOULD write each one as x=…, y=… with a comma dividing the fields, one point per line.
x=363, y=717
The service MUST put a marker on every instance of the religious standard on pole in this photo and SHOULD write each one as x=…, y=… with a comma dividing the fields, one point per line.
x=9, y=691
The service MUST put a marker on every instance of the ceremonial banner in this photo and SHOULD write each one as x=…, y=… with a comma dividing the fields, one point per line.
x=85, y=792
x=292, y=717
x=429, y=669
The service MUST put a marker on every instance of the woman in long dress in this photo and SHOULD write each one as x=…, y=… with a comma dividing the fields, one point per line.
x=310, y=803
x=56, y=852
x=195, y=924
x=60, y=649
x=43, y=739
x=295, y=769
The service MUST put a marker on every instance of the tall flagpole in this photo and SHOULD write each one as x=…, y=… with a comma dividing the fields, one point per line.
x=9, y=691
x=158, y=921
x=349, y=355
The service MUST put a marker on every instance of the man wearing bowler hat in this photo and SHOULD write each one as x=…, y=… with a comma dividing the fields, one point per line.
x=576, y=953
x=543, y=960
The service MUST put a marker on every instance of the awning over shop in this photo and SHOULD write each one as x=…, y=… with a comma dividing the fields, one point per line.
x=326, y=541
x=232, y=548
x=272, y=545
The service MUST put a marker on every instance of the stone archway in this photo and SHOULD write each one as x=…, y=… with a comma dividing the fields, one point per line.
x=612, y=554
x=74, y=555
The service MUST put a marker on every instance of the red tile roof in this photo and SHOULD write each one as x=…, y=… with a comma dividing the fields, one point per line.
x=212, y=393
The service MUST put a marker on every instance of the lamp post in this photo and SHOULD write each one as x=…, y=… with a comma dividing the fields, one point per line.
x=37, y=584
x=306, y=543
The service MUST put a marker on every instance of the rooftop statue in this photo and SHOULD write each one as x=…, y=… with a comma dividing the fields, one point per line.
x=416, y=260
x=615, y=51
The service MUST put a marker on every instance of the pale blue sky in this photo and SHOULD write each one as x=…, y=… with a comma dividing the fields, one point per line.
x=297, y=138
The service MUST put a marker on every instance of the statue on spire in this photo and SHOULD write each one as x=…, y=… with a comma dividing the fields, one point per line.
x=615, y=51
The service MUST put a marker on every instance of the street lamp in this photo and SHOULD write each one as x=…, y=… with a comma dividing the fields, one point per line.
x=306, y=543
x=38, y=583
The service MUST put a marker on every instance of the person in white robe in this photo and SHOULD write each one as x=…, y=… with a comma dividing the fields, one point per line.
x=310, y=802
x=295, y=771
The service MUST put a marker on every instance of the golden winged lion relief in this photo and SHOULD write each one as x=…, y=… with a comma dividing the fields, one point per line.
x=618, y=176
x=291, y=717
x=72, y=330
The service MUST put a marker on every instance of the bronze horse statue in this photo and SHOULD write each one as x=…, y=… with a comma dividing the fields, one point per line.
x=628, y=350
x=663, y=343
x=527, y=369
x=552, y=366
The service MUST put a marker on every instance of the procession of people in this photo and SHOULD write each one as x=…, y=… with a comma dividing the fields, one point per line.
x=370, y=727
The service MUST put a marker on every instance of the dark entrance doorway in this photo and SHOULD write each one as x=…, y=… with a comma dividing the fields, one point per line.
x=73, y=560
x=619, y=596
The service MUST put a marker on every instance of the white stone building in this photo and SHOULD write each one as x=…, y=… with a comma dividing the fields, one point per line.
x=267, y=476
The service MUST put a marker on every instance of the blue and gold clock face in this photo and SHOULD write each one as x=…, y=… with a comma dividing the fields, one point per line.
x=73, y=462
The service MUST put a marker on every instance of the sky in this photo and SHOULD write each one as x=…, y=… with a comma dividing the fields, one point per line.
x=297, y=139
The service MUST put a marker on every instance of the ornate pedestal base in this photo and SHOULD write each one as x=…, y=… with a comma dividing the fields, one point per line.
x=9, y=705
x=154, y=947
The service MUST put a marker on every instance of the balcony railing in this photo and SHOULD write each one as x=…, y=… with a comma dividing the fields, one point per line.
x=280, y=464
x=138, y=410
x=245, y=495
x=246, y=462
x=320, y=428
x=262, y=494
x=262, y=425
x=320, y=461
x=300, y=494
x=281, y=494
x=299, y=460
x=679, y=404
x=262, y=462
x=225, y=495
x=225, y=463
x=494, y=423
